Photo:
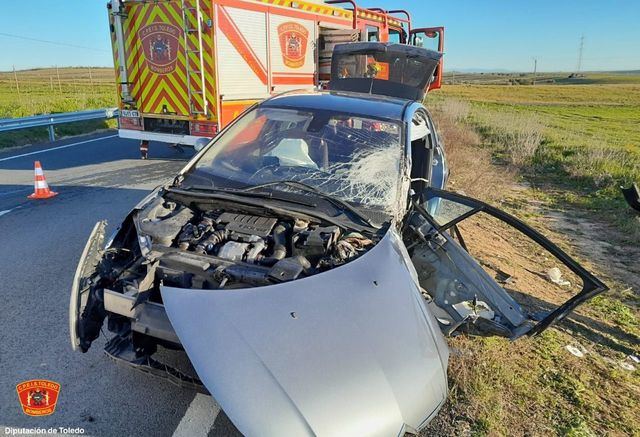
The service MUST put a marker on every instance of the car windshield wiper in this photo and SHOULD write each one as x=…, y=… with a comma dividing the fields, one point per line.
x=245, y=193
x=337, y=202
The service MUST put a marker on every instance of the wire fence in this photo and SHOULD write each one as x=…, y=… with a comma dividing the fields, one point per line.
x=40, y=91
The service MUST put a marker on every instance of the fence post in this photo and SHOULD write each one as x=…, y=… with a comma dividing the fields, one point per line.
x=93, y=91
x=59, y=84
x=15, y=76
x=52, y=134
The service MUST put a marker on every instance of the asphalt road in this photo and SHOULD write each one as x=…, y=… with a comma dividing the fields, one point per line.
x=40, y=242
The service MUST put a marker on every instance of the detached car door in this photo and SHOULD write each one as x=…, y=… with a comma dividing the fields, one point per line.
x=486, y=271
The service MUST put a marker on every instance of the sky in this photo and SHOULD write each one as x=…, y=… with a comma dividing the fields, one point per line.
x=487, y=35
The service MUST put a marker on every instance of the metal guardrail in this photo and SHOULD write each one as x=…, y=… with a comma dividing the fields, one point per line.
x=49, y=120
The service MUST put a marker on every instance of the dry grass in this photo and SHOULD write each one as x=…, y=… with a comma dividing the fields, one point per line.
x=472, y=173
x=534, y=386
x=454, y=110
x=575, y=119
x=597, y=160
x=520, y=135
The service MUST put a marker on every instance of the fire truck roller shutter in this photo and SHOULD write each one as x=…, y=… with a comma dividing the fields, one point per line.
x=242, y=53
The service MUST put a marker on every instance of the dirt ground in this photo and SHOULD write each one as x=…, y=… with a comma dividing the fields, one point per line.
x=577, y=378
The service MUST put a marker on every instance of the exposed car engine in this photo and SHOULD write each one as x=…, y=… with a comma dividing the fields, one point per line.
x=210, y=247
x=218, y=248
x=228, y=249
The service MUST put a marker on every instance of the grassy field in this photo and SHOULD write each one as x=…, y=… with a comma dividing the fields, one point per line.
x=555, y=156
x=590, y=137
x=589, y=78
x=44, y=91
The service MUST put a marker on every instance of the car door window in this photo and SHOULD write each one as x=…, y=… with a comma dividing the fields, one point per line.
x=421, y=151
x=486, y=270
x=439, y=171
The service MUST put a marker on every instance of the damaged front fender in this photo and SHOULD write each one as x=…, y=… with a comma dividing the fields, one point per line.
x=81, y=286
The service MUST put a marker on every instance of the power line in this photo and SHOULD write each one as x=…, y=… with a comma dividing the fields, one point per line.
x=57, y=43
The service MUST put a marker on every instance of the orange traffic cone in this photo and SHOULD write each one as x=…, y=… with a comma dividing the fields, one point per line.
x=41, y=188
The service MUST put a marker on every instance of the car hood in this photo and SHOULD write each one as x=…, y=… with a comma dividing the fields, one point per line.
x=351, y=351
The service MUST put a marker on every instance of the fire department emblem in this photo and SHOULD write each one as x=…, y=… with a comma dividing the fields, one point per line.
x=293, y=43
x=38, y=397
x=160, y=42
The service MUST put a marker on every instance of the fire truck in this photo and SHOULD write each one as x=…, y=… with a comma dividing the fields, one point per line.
x=186, y=68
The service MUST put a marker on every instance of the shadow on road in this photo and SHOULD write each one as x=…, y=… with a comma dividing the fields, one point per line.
x=92, y=152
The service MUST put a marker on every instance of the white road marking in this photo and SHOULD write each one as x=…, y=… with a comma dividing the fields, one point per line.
x=57, y=148
x=7, y=211
x=199, y=417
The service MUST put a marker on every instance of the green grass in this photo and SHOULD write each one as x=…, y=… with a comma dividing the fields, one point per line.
x=535, y=386
x=591, y=134
x=548, y=95
x=589, y=78
x=45, y=91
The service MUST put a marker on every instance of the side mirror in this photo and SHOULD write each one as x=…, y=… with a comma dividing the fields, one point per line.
x=200, y=143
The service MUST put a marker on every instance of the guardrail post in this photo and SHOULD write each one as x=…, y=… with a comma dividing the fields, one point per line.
x=52, y=134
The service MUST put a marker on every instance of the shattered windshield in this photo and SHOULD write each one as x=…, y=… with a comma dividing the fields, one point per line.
x=352, y=158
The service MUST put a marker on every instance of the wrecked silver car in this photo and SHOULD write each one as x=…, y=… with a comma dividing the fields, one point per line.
x=308, y=260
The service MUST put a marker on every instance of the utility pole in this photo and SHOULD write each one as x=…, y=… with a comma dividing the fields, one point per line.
x=580, y=50
x=15, y=76
x=535, y=69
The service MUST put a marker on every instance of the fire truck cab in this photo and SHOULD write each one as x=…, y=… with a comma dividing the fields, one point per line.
x=186, y=68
